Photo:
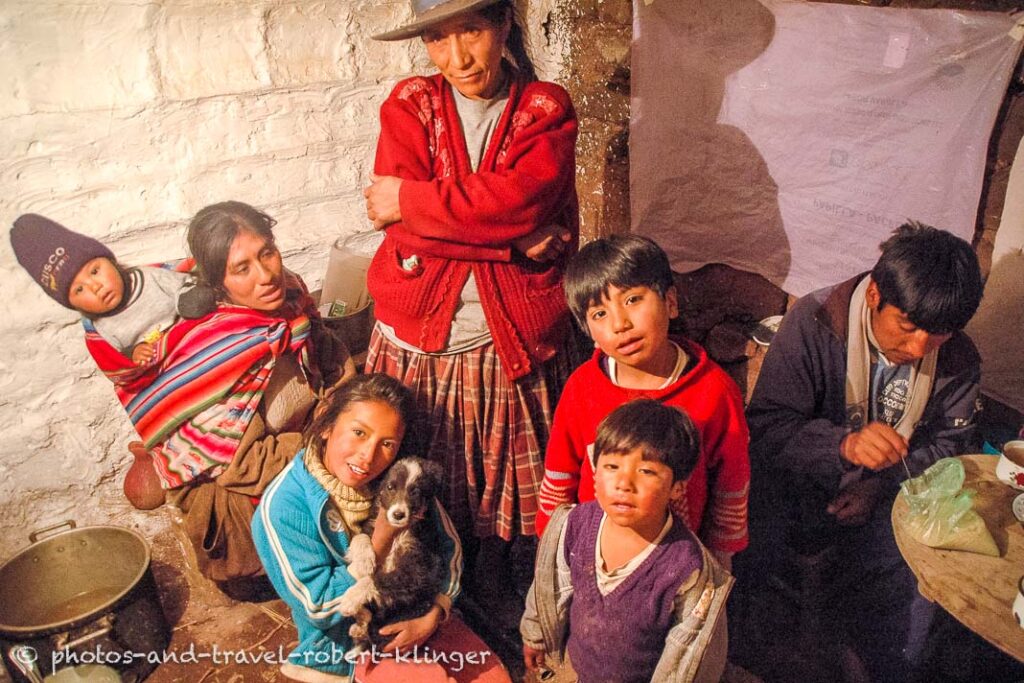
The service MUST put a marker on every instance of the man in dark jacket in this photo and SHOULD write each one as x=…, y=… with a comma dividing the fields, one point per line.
x=861, y=379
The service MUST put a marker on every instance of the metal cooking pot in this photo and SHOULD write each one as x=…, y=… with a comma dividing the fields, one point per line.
x=82, y=596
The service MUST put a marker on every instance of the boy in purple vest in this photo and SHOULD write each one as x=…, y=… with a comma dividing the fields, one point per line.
x=621, y=584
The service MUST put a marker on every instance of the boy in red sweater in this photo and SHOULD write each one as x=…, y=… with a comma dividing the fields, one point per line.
x=621, y=291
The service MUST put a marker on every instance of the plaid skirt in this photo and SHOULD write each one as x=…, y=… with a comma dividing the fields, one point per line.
x=487, y=431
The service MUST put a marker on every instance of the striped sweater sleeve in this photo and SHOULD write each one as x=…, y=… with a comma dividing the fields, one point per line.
x=725, y=519
x=563, y=461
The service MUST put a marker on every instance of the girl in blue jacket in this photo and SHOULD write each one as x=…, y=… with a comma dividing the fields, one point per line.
x=307, y=518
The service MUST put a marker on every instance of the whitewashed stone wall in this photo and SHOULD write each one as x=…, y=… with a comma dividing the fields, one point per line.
x=120, y=119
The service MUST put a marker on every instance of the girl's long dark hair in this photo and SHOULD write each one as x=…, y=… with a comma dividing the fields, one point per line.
x=376, y=387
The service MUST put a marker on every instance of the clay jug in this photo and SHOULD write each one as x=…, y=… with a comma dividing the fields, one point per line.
x=141, y=483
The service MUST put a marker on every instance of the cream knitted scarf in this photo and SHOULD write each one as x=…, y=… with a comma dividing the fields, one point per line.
x=858, y=370
x=353, y=505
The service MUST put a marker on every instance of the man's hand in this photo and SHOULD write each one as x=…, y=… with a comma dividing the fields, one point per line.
x=544, y=244
x=876, y=446
x=532, y=658
x=382, y=200
x=854, y=504
x=412, y=632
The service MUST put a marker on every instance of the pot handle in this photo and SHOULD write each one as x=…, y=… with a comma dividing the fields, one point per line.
x=24, y=657
x=104, y=626
x=34, y=536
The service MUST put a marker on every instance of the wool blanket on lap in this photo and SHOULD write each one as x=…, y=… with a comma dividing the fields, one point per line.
x=193, y=402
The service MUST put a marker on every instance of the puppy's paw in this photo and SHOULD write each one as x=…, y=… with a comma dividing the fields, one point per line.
x=360, y=629
x=358, y=594
x=360, y=557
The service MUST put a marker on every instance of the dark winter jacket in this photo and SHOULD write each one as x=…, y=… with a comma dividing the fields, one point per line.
x=797, y=414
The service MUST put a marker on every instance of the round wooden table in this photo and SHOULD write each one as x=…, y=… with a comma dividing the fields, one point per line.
x=976, y=589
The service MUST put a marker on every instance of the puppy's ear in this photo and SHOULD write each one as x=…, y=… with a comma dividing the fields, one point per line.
x=434, y=472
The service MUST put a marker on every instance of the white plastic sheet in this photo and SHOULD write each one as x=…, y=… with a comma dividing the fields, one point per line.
x=998, y=327
x=790, y=138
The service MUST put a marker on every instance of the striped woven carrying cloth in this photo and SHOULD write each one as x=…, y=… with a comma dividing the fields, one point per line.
x=193, y=403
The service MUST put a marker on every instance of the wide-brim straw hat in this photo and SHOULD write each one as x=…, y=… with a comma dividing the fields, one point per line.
x=427, y=13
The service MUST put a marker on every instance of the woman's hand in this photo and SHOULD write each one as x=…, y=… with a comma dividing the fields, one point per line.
x=382, y=200
x=412, y=632
x=544, y=244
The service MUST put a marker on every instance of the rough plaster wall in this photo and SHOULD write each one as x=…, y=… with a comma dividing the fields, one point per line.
x=121, y=119
x=598, y=80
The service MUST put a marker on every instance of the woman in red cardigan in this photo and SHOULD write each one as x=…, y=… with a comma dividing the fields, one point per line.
x=474, y=186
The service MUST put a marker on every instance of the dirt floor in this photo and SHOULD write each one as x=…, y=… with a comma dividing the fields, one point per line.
x=216, y=639
x=250, y=637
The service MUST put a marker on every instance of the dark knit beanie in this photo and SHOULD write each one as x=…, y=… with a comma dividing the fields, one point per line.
x=52, y=254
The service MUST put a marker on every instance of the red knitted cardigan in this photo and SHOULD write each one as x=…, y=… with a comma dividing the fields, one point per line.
x=455, y=221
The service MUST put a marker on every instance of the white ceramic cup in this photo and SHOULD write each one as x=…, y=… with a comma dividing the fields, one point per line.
x=1018, y=603
x=1010, y=468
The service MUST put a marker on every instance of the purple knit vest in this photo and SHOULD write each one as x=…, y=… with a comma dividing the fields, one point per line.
x=620, y=636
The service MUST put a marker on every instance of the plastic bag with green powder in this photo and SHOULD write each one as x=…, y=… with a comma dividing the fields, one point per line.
x=940, y=513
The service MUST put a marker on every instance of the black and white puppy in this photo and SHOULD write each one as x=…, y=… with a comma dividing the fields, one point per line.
x=404, y=585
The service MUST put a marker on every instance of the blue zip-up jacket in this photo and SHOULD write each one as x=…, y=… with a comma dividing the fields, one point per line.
x=303, y=551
